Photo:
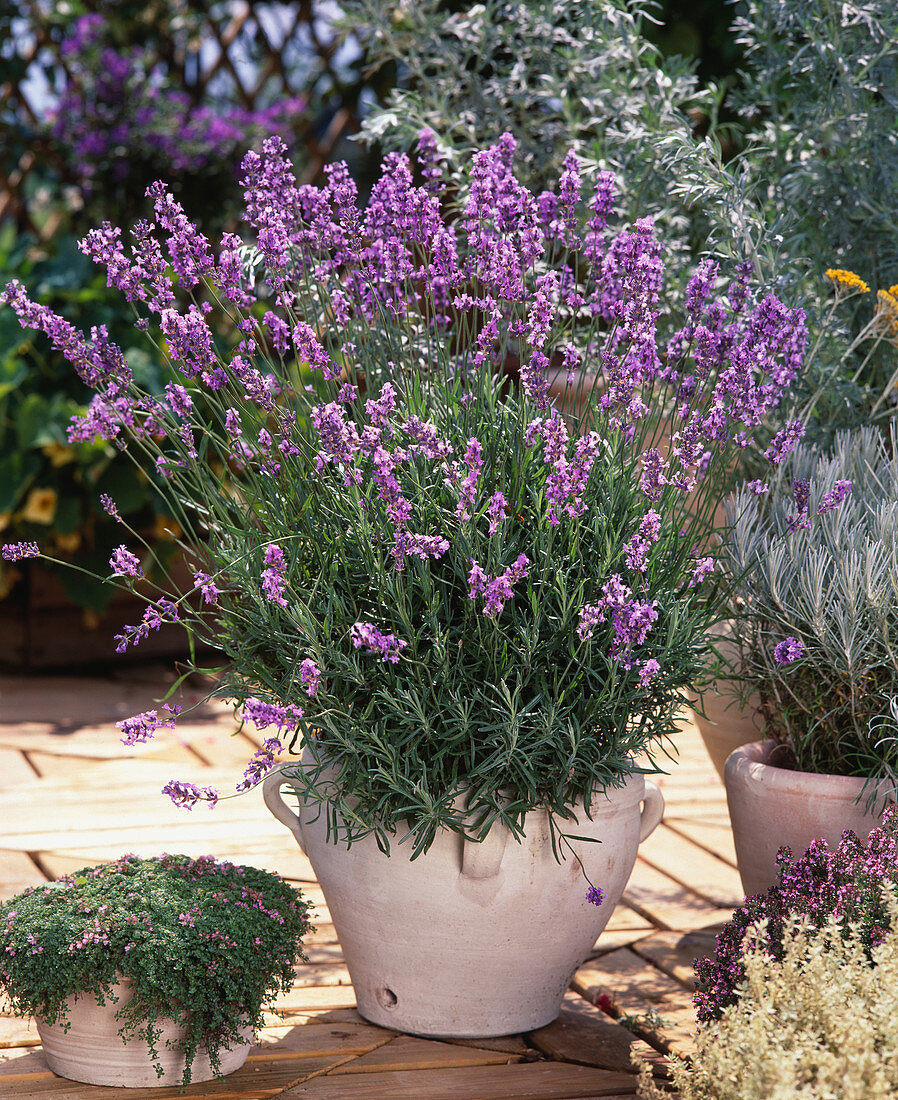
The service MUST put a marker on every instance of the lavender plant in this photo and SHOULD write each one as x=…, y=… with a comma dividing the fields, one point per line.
x=849, y=883
x=460, y=603
x=816, y=594
x=158, y=923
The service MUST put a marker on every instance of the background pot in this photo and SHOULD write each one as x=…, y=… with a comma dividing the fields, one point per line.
x=771, y=806
x=472, y=940
x=93, y=1051
x=726, y=723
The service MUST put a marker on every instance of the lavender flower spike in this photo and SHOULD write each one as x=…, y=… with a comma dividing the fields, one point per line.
x=17, y=551
x=386, y=645
x=788, y=650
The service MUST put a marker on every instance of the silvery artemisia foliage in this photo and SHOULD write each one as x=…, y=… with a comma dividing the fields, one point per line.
x=421, y=571
x=828, y=578
x=820, y=95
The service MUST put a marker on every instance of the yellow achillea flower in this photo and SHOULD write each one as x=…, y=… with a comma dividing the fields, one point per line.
x=846, y=279
x=887, y=309
x=40, y=507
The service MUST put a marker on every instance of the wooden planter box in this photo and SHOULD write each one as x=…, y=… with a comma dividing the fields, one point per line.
x=41, y=629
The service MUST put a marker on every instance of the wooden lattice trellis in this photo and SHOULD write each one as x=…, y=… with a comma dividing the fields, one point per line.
x=242, y=52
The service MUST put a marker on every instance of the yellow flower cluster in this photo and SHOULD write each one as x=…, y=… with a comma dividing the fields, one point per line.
x=887, y=309
x=846, y=279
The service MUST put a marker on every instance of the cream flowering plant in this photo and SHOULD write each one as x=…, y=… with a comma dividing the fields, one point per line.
x=462, y=601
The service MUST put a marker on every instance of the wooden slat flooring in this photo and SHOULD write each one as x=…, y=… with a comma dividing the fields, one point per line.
x=72, y=795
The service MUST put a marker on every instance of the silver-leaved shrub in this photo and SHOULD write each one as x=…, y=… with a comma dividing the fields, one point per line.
x=817, y=602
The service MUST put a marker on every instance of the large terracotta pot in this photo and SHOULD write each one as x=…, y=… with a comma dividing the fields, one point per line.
x=472, y=940
x=771, y=807
x=92, y=1050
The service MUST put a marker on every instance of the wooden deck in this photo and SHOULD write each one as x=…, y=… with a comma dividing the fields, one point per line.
x=71, y=795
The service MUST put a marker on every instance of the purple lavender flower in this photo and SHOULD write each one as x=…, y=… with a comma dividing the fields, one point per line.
x=653, y=477
x=784, y=442
x=310, y=674
x=631, y=620
x=758, y=488
x=125, y=564
x=496, y=510
x=704, y=567
x=788, y=650
x=418, y=546
x=262, y=715
x=834, y=498
x=262, y=762
x=636, y=553
x=648, y=671
x=17, y=551
x=468, y=490
x=496, y=590
x=163, y=611
x=210, y=591
x=110, y=507
x=802, y=489
x=595, y=895
x=142, y=726
x=368, y=636
x=187, y=795
x=274, y=575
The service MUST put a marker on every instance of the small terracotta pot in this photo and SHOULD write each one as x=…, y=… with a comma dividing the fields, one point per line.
x=92, y=1050
x=472, y=940
x=771, y=807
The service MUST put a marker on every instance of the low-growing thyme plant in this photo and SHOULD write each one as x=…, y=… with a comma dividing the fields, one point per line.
x=203, y=942
x=849, y=883
x=461, y=604
x=817, y=603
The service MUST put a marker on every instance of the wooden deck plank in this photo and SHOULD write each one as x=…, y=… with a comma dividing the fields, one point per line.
x=666, y=903
x=712, y=836
x=586, y=1035
x=259, y=1078
x=14, y=768
x=17, y=872
x=533, y=1081
x=692, y=867
x=406, y=1052
x=634, y=988
x=674, y=953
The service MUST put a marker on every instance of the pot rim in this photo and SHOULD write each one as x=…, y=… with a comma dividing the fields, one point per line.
x=748, y=764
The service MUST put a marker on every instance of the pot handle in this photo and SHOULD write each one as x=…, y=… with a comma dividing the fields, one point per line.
x=483, y=859
x=271, y=793
x=652, y=810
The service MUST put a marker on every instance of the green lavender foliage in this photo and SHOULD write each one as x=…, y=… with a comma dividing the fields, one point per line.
x=834, y=588
x=516, y=709
x=203, y=942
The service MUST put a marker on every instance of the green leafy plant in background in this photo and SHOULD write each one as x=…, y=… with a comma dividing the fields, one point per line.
x=50, y=488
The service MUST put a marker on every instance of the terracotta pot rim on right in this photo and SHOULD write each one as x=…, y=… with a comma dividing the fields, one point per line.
x=749, y=764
